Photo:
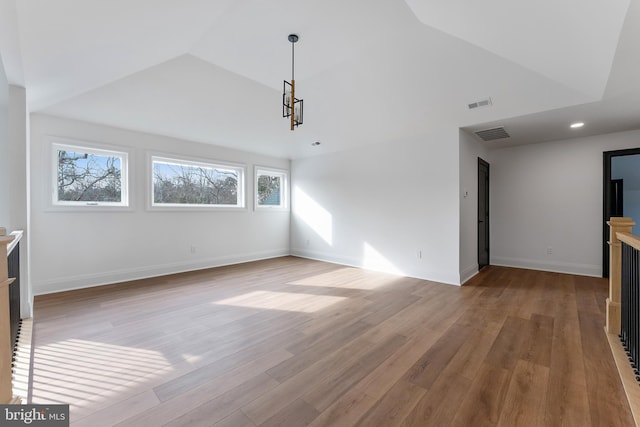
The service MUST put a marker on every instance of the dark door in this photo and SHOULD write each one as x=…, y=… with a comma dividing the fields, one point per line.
x=616, y=198
x=483, y=213
x=610, y=203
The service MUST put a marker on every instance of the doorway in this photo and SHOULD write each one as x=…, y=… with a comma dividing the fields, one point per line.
x=483, y=213
x=614, y=189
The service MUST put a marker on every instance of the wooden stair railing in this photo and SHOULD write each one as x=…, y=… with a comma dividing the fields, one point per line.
x=6, y=346
x=620, y=231
x=617, y=225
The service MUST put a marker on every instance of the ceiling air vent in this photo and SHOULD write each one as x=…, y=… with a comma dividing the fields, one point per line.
x=493, y=134
x=479, y=104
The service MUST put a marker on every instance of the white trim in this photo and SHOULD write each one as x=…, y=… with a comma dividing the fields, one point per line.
x=126, y=158
x=192, y=161
x=87, y=208
x=592, y=270
x=357, y=262
x=468, y=273
x=17, y=237
x=83, y=281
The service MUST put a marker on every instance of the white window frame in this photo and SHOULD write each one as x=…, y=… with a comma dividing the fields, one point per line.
x=95, y=149
x=206, y=163
x=284, y=190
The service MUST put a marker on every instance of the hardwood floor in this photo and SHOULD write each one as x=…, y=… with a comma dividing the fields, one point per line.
x=293, y=342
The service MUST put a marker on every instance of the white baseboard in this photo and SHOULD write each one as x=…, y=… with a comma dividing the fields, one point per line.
x=106, y=278
x=357, y=262
x=553, y=266
x=468, y=273
x=326, y=257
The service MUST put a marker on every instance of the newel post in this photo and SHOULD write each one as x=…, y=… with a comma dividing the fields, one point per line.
x=6, y=389
x=616, y=224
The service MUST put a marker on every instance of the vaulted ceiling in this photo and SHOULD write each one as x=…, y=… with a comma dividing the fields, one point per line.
x=370, y=71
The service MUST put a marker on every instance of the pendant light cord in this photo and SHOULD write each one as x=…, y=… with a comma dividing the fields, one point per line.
x=293, y=60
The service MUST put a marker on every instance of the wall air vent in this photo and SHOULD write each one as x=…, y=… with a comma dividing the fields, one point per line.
x=479, y=104
x=493, y=134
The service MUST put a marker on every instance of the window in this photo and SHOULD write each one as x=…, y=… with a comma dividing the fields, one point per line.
x=271, y=188
x=89, y=176
x=178, y=183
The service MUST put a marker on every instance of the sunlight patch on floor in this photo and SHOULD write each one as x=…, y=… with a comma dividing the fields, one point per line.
x=22, y=361
x=85, y=373
x=346, y=278
x=286, y=301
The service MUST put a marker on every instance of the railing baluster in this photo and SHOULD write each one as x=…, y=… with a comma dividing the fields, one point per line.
x=634, y=284
x=630, y=305
x=632, y=301
x=625, y=309
x=634, y=306
x=13, y=264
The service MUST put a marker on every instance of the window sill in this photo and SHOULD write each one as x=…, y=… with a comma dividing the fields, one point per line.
x=88, y=209
x=192, y=208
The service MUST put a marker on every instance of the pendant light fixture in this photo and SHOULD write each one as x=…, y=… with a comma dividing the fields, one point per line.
x=292, y=107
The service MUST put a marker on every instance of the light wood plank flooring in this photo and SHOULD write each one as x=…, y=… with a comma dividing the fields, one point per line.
x=294, y=342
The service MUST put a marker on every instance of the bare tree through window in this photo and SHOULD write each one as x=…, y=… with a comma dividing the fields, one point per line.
x=270, y=188
x=88, y=177
x=191, y=184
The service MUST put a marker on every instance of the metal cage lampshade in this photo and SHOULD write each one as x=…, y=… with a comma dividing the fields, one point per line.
x=292, y=107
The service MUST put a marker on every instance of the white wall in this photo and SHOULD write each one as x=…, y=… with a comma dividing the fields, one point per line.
x=13, y=175
x=470, y=150
x=4, y=147
x=549, y=195
x=376, y=207
x=17, y=152
x=19, y=190
x=79, y=249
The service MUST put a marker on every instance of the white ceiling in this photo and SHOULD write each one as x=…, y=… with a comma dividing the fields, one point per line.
x=370, y=71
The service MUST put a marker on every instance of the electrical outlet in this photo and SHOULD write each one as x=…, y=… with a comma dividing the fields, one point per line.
x=549, y=250
x=419, y=253
x=194, y=249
